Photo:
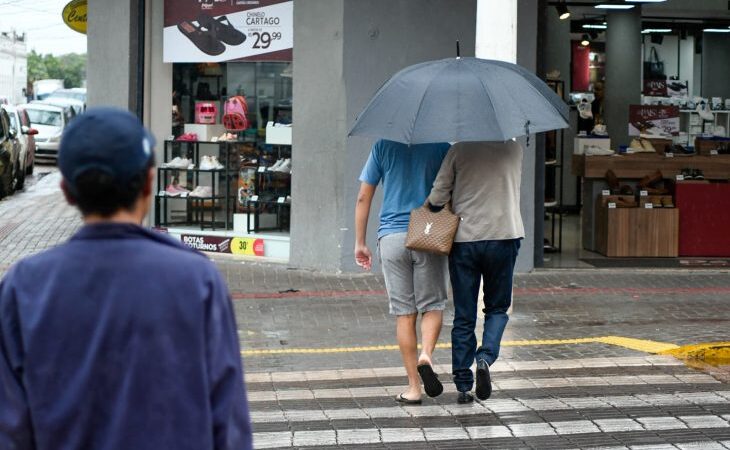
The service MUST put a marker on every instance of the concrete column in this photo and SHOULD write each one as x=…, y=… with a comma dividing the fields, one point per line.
x=112, y=53
x=343, y=52
x=623, y=71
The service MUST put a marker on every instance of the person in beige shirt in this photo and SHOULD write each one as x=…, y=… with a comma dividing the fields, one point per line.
x=481, y=180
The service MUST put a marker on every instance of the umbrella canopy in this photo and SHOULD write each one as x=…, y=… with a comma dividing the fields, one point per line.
x=461, y=99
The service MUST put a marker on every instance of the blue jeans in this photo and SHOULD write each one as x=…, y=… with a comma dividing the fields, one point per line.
x=468, y=263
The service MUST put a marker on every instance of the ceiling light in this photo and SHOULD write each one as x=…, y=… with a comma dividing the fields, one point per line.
x=595, y=27
x=717, y=30
x=614, y=6
x=656, y=30
x=563, y=12
x=585, y=41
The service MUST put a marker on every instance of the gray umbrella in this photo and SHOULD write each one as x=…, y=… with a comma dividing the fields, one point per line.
x=461, y=99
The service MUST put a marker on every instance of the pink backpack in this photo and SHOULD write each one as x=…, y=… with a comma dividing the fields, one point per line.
x=234, y=114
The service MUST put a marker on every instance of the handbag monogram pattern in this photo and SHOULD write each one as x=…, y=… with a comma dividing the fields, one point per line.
x=432, y=232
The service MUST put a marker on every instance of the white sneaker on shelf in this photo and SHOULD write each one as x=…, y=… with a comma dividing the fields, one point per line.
x=704, y=111
x=178, y=163
x=202, y=192
x=594, y=150
x=215, y=163
x=206, y=163
x=285, y=167
x=275, y=167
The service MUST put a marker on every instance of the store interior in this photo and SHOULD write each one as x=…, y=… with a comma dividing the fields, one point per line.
x=226, y=169
x=640, y=178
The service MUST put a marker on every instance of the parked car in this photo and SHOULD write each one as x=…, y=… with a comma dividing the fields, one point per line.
x=77, y=105
x=9, y=153
x=20, y=122
x=73, y=93
x=50, y=122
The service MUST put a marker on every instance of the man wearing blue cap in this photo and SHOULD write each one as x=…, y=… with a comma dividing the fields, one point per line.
x=120, y=338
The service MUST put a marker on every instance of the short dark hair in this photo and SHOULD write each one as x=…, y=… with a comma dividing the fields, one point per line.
x=97, y=192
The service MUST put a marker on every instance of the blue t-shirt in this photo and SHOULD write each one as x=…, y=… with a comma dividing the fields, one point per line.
x=407, y=173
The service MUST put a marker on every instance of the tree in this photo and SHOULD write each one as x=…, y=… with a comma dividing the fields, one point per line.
x=71, y=68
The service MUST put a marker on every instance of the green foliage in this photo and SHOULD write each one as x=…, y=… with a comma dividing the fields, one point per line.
x=71, y=68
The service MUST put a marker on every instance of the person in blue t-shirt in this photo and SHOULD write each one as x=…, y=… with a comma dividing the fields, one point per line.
x=415, y=281
x=121, y=338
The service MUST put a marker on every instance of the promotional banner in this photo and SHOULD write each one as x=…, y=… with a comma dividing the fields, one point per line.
x=218, y=244
x=656, y=120
x=228, y=30
x=655, y=88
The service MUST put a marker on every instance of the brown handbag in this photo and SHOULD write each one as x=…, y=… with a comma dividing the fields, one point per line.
x=432, y=232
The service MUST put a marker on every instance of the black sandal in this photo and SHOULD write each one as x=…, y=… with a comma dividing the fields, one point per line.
x=431, y=383
x=406, y=401
x=222, y=28
x=204, y=40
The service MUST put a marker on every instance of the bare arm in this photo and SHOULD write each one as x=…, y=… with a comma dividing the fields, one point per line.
x=444, y=183
x=363, y=257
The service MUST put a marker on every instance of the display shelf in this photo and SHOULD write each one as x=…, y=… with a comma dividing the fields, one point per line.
x=636, y=166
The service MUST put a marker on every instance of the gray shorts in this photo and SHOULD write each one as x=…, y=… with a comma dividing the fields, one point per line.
x=416, y=281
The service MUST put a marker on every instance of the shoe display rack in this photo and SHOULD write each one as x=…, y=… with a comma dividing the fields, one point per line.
x=210, y=177
x=272, y=191
x=554, y=164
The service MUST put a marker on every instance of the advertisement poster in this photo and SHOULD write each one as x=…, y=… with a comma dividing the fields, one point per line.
x=199, y=31
x=218, y=244
x=655, y=120
x=655, y=88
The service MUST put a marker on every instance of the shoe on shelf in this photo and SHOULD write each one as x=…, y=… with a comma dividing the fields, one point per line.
x=636, y=146
x=686, y=173
x=622, y=202
x=215, y=163
x=697, y=174
x=285, y=167
x=680, y=150
x=667, y=202
x=656, y=201
x=464, y=398
x=650, y=180
x=172, y=191
x=551, y=162
x=179, y=163
x=612, y=181
x=594, y=150
x=704, y=111
x=187, y=137
x=626, y=190
x=202, y=192
x=648, y=147
x=274, y=167
x=550, y=202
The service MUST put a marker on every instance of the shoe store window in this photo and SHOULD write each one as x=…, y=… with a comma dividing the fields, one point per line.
x=225, y=178
x=654, y=196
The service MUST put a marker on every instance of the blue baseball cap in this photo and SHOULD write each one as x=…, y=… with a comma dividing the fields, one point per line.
x=111, y=140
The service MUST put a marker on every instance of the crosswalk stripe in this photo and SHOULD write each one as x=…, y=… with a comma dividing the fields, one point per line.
x=497, y=385
x=494, y=406
x=429, y=434
x=498, y=367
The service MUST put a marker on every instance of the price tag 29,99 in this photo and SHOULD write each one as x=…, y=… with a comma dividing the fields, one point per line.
x=605, y=192
x=612, y=205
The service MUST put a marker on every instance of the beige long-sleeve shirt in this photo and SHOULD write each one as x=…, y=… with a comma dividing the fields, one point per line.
x=482, y=182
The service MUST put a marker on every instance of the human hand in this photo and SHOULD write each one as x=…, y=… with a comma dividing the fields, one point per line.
x=363, y=257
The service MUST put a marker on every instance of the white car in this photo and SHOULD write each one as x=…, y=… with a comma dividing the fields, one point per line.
x=50, y=122
x=24, y=133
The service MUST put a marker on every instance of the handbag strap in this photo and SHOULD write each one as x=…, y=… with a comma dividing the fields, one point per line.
x=653, y=55
x=447, y=206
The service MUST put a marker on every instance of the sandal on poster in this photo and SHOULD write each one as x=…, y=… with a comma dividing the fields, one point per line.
x=222, y=28
x=400, y=398
x=204, y=40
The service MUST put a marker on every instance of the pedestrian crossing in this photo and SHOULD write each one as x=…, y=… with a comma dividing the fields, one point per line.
x=649, y=402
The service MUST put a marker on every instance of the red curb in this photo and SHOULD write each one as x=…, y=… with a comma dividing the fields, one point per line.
x=518, y=292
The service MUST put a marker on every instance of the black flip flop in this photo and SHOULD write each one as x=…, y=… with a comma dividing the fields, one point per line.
x=431, y=383
x=406, y=401
x=204, y=40
x=222, y=28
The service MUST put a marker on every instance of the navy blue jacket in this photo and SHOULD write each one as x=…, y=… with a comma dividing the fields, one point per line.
x=119, y=339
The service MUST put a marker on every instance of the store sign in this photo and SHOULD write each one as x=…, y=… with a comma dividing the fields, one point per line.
x=228, y=30
x=653, y=119
x=655, y=88
x=218, y=244
x=74, y=15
